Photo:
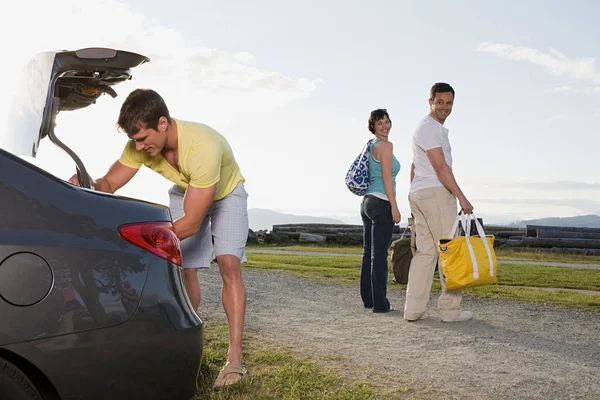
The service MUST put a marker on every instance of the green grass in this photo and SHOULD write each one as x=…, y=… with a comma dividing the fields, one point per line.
x=559, y=297
x=347, y=269
x=545, y=276
x=510, y=254
x=338, y=267
x=278, y=373
x=501, y=252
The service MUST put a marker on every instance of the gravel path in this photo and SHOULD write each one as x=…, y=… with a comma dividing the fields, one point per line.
x=510, y=350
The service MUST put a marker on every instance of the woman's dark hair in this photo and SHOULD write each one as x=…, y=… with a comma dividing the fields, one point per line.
x=142, y=106
x=440, y=87
x=377, y=115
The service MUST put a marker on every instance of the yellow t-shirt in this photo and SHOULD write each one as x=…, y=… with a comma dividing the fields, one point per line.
x=205, y=159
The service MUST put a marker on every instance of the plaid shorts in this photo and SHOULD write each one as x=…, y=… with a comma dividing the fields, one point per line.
x=226, y=222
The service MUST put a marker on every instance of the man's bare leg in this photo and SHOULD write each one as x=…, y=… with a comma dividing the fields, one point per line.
x=233, y=297
x=192, y=286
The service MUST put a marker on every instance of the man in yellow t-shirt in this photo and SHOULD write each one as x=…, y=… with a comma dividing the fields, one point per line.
x=207, y=201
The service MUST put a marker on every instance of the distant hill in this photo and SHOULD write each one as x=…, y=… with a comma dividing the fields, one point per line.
x=581, y=221
x=265, y=219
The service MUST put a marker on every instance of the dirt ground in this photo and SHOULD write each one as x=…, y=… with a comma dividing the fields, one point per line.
x=510, y=350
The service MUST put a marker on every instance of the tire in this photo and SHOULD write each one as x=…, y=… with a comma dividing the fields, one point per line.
x=14, y=384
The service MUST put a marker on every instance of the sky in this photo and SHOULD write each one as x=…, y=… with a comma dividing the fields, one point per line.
x=291, y=86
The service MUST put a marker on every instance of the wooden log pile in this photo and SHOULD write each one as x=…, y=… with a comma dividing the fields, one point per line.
x=331, y=233
x=535, y=238
x=557, y=239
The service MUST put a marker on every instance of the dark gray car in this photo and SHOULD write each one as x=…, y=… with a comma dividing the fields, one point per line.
x=92, y=300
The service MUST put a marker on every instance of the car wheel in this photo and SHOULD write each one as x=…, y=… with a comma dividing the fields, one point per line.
x=14, y=384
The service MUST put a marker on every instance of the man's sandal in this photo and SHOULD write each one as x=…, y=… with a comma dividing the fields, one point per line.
x=230, y=369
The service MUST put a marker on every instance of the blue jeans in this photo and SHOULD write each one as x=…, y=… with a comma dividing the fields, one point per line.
x=378, y=227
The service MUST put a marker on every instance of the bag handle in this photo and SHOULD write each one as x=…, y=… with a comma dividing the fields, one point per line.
x=467, y=230
x=465, y=221
x=404, y=233
x=460, y=219
x=366, y=149
x=410, y=224
x=413, y=234
x=481, y=234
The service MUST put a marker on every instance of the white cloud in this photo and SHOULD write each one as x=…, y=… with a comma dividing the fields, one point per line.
x=555, y=118
x=207, y=76
x=581, y=206
x=200, y=83
x=548, y=185
x=219, y=72
x=563, y=89
x=555, y=62
x=569, y=89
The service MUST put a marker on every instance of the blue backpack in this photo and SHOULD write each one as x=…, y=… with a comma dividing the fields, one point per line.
x=357, y=178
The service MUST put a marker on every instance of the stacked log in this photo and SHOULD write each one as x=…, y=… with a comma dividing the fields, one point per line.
x=558, y=239
x=562, y=232
x=558, y=242
x=535, y=238
x=585, y=252
x=344, y=234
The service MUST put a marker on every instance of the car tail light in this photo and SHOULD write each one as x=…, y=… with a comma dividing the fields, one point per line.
x=156, y=237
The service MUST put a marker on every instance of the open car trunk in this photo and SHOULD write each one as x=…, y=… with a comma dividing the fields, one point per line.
x=63, y=81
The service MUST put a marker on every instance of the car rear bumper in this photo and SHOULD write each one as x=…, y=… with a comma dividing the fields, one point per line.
x=155, y=354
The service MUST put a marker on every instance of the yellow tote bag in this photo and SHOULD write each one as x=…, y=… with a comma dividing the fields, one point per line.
x=467, y=261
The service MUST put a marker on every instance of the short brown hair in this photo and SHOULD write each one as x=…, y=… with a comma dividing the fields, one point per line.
x=142, y=106
x=377, y=115
x=440, y=87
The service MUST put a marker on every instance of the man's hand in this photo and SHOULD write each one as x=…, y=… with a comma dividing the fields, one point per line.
x=465, y=205
x=75, y=180
x=116, y=177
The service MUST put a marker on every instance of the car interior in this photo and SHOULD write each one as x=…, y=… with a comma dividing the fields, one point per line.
x=78, y=79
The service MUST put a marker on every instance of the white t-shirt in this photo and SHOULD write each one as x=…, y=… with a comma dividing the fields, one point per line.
x=428, y=135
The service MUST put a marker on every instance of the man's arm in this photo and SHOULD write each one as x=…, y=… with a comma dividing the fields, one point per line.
x=445, y=175
x=412, y=172
x=117, y=176
x=196, y=203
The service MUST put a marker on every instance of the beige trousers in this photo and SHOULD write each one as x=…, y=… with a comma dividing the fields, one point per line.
x=435, y=211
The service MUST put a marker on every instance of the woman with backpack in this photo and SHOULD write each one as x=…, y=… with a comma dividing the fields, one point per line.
x=379, y=213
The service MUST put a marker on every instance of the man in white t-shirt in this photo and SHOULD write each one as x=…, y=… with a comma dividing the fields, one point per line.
x=432, y=198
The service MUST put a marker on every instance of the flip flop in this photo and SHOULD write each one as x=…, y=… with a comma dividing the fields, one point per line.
x=230, y=369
